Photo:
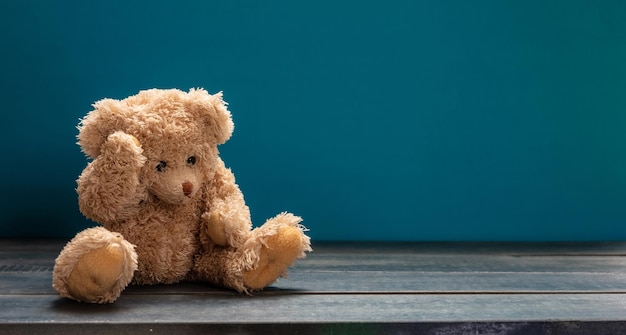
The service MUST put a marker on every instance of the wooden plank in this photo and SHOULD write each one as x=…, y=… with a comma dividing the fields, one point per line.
x=413, y=257
x=462, y=263
x=478, y=248
x=387, y=328
x=304, y=282
x=53, y=247
x=412, y=263
x=329, y=308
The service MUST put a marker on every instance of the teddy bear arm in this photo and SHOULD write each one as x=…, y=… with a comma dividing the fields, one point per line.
x=227, y=221
x=109, y=187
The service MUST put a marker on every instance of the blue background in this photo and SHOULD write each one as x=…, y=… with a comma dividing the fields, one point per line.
x=396, y=120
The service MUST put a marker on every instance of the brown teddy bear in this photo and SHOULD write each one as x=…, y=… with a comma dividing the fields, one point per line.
x=171, y=210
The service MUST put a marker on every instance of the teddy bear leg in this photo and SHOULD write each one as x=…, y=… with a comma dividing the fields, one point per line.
x=278, y=243
x=219, y=266
x=94, y=267
x=264, y=257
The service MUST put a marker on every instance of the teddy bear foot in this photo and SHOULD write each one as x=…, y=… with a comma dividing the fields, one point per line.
x=96, y=273
x=278, y=253
x=95, y=267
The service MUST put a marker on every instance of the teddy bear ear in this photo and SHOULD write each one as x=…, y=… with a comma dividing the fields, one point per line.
x=107, y=117
x=212, y=110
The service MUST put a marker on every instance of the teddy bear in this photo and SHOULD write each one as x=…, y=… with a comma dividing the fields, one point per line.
x=169, y=208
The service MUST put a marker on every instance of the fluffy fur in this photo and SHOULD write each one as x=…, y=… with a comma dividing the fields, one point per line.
x=169, y=207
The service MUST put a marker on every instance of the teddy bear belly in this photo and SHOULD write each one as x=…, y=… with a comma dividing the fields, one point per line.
x=164, y=252
x=165, y=264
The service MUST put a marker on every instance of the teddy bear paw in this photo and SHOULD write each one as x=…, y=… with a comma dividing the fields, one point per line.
x=96, y=274
x=125, y=147
x=278, y=253
x=214, y=229
x=95, y=266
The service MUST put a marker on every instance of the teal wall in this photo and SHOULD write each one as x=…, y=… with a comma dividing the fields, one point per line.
x=394, y=120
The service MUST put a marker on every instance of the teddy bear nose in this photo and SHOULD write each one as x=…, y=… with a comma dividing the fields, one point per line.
x=187, y=188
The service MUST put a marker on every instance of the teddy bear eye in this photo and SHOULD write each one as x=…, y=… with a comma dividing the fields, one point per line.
x=191, y=160
x=161, y=166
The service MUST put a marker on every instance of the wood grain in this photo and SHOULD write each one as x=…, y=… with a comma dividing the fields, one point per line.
x=447, y=288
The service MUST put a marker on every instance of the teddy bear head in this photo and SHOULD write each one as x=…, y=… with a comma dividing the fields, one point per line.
x=177, y=131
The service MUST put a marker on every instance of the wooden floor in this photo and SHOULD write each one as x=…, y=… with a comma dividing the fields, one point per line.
x=356, y=288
